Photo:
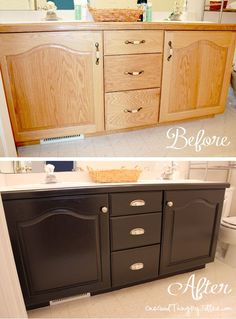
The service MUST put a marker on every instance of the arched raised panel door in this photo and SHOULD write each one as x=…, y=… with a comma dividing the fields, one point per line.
x=61, y=245
x=190, y=228
x=53, y=83
x=196, y=73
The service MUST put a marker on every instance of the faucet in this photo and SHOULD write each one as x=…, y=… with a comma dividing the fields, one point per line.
x=169, y=171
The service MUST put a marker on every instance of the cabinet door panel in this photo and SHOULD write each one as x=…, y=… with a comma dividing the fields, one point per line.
x=196, y=76
x=61, y=245
x=53, y=85
x=190, y=229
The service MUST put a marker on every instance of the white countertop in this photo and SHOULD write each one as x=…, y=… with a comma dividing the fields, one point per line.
x=64, y=185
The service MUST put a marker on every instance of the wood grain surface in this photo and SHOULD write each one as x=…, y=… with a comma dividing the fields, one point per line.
x=147, y=41
x=116, y=67
x=118, y=103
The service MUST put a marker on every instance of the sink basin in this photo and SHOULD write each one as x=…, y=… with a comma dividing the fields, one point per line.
x=185, y=21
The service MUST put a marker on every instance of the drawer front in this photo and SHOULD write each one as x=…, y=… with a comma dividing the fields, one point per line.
x=133, y=42
x=135, y=231
x=132, y=72
x=132, y=108
x=135, y=265
x=136, y=203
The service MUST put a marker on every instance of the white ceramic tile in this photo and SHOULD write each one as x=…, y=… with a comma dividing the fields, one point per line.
x=151, y=142
x=132, y=302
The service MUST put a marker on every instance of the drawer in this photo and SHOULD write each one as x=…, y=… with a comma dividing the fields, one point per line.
x=132, y=72
x=133, y=42
x=134, y=265
x=136, y=203
x=135, y=231
x=132, y=108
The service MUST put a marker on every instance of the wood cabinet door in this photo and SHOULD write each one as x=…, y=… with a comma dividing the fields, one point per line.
x=196, y=74
x=53, y=83
x=190, y=229
x=61, y=245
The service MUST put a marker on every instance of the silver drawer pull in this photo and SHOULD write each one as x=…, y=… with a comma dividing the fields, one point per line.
x=135, y=73
x=135, y=42
x=137, y=203
x=137, y=231
x=133, y=111
x=137, y=266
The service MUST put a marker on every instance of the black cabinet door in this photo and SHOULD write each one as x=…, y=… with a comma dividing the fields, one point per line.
x=61, y=245
x=191, y=222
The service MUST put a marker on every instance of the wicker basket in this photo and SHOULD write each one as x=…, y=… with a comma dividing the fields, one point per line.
x=115, y=175
x=116, y=15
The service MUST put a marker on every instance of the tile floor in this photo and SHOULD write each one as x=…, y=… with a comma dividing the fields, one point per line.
x=151, y=142
x=133, y=302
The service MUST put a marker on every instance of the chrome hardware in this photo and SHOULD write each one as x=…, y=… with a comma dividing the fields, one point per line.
x=171, y=51
x=170, y=204
x=135, y=42
x=137, y=266
x=133, y=111
x=104, y=209
x=97, y=53
x=136, y=73
x=137, y=231
x=137, y=203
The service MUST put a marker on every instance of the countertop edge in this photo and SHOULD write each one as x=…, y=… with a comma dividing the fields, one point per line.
x=103, y=26
x=94, y=189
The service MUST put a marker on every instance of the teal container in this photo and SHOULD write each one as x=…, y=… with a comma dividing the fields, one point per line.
x=77, y=12
x=149, y=12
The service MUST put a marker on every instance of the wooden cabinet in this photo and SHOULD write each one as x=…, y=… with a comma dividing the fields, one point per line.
x=134, y=266
x=196, y=73
x=191, y=222
x=131, y=108
x=60, y=244
x=65, y=83
x=132, y=73
x=133, y=42
x=53, y=83
x=68, y=242
x=135, y=222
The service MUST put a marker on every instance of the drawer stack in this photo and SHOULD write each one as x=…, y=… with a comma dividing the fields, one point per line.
x=133, y=68
x=135, y=237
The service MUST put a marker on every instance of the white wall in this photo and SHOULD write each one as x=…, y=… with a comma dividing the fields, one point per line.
x=11, y=299
x=16, y=4
x=6, y=167
x=7, y=144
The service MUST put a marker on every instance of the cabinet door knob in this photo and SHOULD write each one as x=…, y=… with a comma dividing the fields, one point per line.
x=137, y=203
x=104, y=209
x=137, y=266
x=137, y=231
x=170, y=204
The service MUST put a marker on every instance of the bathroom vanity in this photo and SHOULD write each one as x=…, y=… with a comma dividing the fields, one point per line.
x=67, y=78
x=92, y=239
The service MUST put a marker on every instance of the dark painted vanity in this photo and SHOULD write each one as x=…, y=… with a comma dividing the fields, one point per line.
x=95, y=239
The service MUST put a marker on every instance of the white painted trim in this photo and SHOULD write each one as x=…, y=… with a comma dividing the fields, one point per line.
x=7, y=144
x=11, y=299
